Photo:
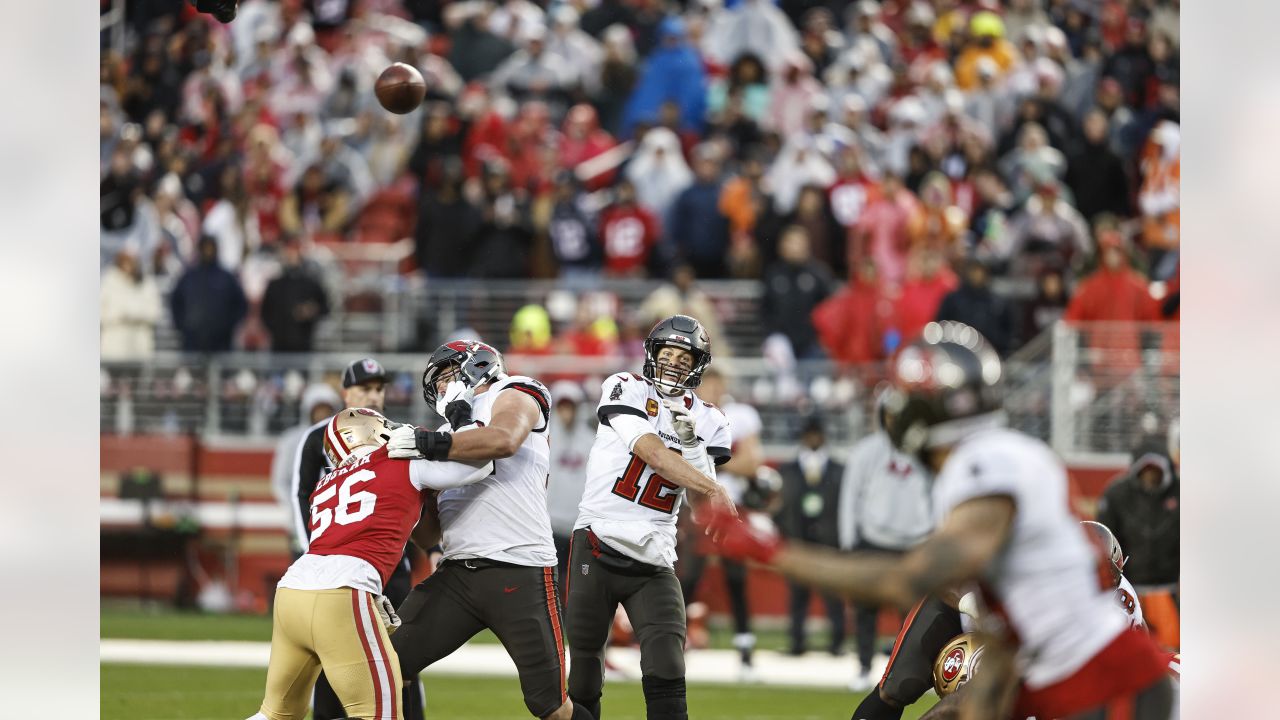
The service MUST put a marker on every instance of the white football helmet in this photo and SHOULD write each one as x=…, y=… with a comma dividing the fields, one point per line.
x=354, y=432
x=1106, y=541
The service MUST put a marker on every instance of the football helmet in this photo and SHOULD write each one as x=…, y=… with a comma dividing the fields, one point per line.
x=686, y=333
x=353, y=429
x=1105, y=541
x=956, y=664
x=475, y=363
x=763, y=490
x=943, y=387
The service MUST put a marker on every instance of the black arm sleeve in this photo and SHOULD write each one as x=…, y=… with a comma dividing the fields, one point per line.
x=311, y=467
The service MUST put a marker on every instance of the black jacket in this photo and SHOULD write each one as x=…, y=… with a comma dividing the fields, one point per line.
x=792, y=520
x=982, y=310
x=207, y=304
x=282, y=303
x=1098, y=181
x=791, y=292
x=1146, y=524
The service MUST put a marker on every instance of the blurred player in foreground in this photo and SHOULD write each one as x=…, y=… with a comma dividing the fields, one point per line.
x=1004, y=523
x=329, y=611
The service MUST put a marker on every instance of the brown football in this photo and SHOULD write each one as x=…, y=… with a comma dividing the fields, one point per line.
x=400, y=88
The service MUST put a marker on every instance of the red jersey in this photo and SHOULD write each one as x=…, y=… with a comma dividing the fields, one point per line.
x=366, y=509
x=629, y=233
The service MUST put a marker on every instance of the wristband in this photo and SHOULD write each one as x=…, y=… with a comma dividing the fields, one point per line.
x=433, y=445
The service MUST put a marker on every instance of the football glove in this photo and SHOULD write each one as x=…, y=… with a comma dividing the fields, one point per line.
x=454, y=404
x=410, y=443
x=390, y=620
x=754, y=538
x=682, y=421
x=223, y=10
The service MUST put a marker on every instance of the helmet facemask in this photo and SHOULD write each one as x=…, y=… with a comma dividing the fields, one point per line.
x=672, y=379
x=473, y=363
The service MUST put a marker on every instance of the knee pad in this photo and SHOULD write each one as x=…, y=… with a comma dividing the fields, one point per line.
x=665, y=698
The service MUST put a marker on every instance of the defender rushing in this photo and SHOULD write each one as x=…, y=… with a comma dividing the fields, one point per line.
x=656, y=439
x=329, y=611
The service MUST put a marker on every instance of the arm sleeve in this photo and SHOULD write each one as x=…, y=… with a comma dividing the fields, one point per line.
x=308, y=467
x=630, y=428
x=436, y=475
x=719, y=445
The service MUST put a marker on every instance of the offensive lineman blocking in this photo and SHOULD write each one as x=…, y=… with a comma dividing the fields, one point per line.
x=329, y=610
x=656, y=438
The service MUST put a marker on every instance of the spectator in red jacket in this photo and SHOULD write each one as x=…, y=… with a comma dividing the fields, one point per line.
x=630, y=233
x=1115, y=291
x=581, y=139
x=853, y=323
x=928, y=281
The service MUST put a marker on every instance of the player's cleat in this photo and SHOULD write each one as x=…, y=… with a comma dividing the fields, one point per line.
x=747, y=675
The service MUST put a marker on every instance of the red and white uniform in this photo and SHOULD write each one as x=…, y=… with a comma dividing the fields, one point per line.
x=361, y=516
x=1043, y=583
x=1127, y=597
x=629, y=234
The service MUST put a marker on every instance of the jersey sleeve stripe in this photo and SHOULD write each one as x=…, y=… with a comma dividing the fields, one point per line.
x=605, y=411
x=722, y=455
x=537, y=394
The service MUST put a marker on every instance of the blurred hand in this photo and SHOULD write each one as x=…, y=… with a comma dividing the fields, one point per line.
x=756, y=538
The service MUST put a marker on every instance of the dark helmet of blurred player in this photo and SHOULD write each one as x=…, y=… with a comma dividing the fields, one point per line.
x=945, y=386
x=471, y=361
x=684, y=333
x=352, y=429
x=956, y=664
x=1105, y=541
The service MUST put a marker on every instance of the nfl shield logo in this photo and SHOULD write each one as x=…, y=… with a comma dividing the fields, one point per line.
x=586, y=569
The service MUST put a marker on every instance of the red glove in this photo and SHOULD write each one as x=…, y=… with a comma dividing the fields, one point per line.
x=753, y=539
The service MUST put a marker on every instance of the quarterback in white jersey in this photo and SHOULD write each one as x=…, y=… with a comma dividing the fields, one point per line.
x=1003, y=522
x=656, y=440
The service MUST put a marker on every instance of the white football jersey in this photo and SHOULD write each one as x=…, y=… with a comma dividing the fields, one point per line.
x=504, y=517
x=1044, y=581
x=623, y=497
x=1127, y=597
x=745, y=422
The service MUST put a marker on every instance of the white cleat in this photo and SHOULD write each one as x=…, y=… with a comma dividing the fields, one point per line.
x=747, y=675
x=862, y=683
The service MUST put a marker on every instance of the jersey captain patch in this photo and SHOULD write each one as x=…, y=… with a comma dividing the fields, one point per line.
x=651, y=407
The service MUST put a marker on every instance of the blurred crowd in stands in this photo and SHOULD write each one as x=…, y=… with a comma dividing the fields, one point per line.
x=870, y=165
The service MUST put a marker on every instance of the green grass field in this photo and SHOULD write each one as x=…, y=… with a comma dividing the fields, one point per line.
x=160, y=692
x=149, y=692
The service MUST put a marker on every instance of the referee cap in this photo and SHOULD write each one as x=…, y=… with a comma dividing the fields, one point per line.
x=362, y=371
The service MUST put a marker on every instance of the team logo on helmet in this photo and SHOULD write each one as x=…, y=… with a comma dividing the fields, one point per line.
x=952, y=664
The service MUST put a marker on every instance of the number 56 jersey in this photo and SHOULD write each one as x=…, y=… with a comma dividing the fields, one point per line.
x=362, y=515
x=624, y=502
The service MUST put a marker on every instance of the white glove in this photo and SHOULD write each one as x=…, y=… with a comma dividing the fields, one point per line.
x=390, y=620
x=968, y=605
x=447, y=405
x=403, y=444
x=682, y=420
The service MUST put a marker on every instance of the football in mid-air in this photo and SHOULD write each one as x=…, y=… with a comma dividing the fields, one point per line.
x=400, y=88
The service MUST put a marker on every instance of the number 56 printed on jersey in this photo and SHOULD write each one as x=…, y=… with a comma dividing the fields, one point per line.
x=343, y=513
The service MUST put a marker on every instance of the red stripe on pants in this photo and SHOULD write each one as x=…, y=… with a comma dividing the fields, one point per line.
x=549, y=582
x=897, y=643
x=368, y=652
x=386, y=659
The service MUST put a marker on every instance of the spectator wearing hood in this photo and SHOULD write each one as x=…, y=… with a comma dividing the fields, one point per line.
x=755, y=26
x=882, y=234
x=617, y=76
x=582, y=139
x=1096, y=174
x=572, y=425
x=534, y=73
x=854, y=324
x=1115, y=291
x=502, y=240
x=793, y=97
x=1142, y=509
x=207, y=303
x=747, y=84
x=658, y=171
x=695, y=225
x=293, y=303
x=580, y=52
x=319, y=401
x=1047, y=232
x=799, y=164
x=975, y=305
x=447, y=226
x=130, y=308
x=673, y=72
x=794, y=285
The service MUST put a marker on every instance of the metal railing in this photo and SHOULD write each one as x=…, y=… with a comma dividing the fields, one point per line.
x=1092, y=391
